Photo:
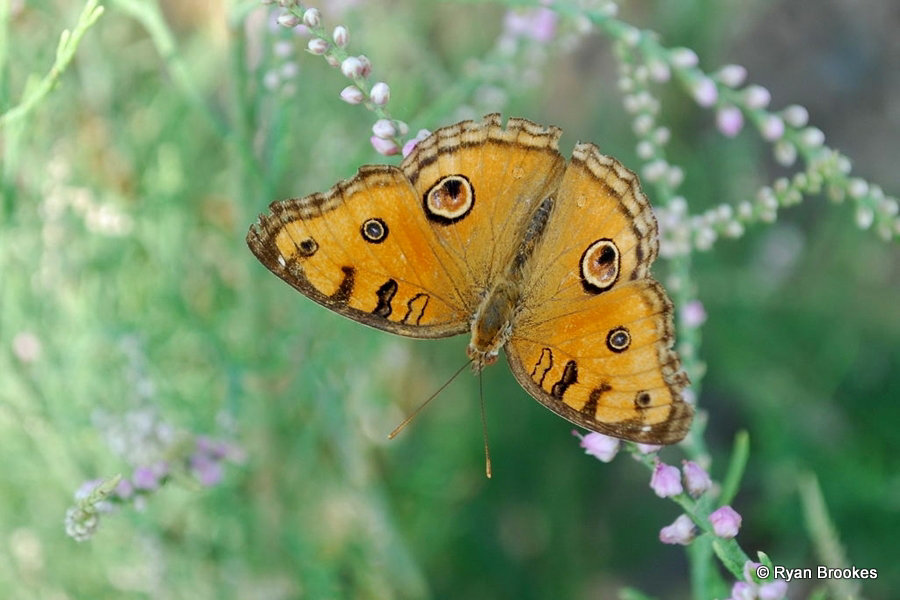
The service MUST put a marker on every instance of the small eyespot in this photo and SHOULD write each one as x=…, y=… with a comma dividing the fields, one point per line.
x=307, y=247
x=642, y=400
x=449, y=200
x=600, y=266
x=374, y=230
x=618, y=339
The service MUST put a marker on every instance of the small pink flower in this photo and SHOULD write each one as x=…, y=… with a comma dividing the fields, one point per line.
x=726, y=522
x=352, y=95
x=681, y=531
x=732, y=75
x=729, y=120
x=124, y=489
x=207, y=470
x=408, y=146
x=366, y=65
x=312, y=17
x=602, y=447
x=340, y=36
x=756, y=96
x=26, y=347
x=385, y=147
x=773, y=590
x=772, y=128
x=795, y=115
x=351, y=67
x=696, y=478
x=384, y=129
x=145, y=478
x=648, y=448
x=666, y=480
x=538, y=24
x=743, y=591
x=380, y=93
x=683, y=58
x=288, y=20
x=317, y=46
x=705, y=92
x=693, y=314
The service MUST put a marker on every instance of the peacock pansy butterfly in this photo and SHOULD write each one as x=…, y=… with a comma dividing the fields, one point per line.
x=486, y=229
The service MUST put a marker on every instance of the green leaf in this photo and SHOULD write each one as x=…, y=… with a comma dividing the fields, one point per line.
x=739, y=456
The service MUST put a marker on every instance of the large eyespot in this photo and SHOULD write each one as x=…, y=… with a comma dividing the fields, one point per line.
x=600, y=266
x=307, y=247
x=449, y=200
x=618, y=339
x=374, y=230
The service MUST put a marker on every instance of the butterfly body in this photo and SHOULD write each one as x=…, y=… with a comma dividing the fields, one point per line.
x=487, y=230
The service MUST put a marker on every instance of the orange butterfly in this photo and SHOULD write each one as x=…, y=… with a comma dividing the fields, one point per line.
x=486, y=229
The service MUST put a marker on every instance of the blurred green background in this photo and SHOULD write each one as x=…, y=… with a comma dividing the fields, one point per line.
x=126, y=286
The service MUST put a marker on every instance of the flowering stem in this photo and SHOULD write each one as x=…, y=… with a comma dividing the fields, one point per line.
x=35, y=91
x=338, y=54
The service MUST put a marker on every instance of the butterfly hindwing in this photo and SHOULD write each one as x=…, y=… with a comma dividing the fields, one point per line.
x=594, y=339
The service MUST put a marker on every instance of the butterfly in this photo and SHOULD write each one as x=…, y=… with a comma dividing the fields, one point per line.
x=486, y=229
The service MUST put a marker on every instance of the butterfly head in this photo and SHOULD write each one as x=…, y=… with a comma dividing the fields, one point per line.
x=481, y=358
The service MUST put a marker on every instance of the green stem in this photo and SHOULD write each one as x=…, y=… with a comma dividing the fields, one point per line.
x=65, y=51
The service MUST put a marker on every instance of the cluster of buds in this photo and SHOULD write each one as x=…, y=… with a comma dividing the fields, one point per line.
x=388, y=133
x=200, y=458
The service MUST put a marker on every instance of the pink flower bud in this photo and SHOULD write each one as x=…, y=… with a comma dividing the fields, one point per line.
x=384, y=129
x=666, y=480
x=352, y=95
x=773, y=590
x=729, y=120
x=795, y=115
x=683, y=58
x=693, y=314
x=732, y=75
x=772, y=128
x=288, y=20
x=312, y=17
x=385, y=147
x=380, y=94
x=681, y=531
x=602, y=447
x=726, y=522
x=648, y=448
x=743, y=591
x=756, y=96
x=366, y=65
x=317, y=46
x=411, y=144
x=351, y=67
x=696, y=478
x=705, y=92
x=340, y=36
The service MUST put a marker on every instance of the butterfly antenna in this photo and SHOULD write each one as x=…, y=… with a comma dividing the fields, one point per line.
x=412, y=415
x=487, y=451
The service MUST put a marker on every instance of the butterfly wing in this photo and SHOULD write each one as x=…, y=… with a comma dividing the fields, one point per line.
x=412, y=249
x=593, y=341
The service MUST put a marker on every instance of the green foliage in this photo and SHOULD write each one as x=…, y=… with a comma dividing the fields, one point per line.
x=136, y=152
